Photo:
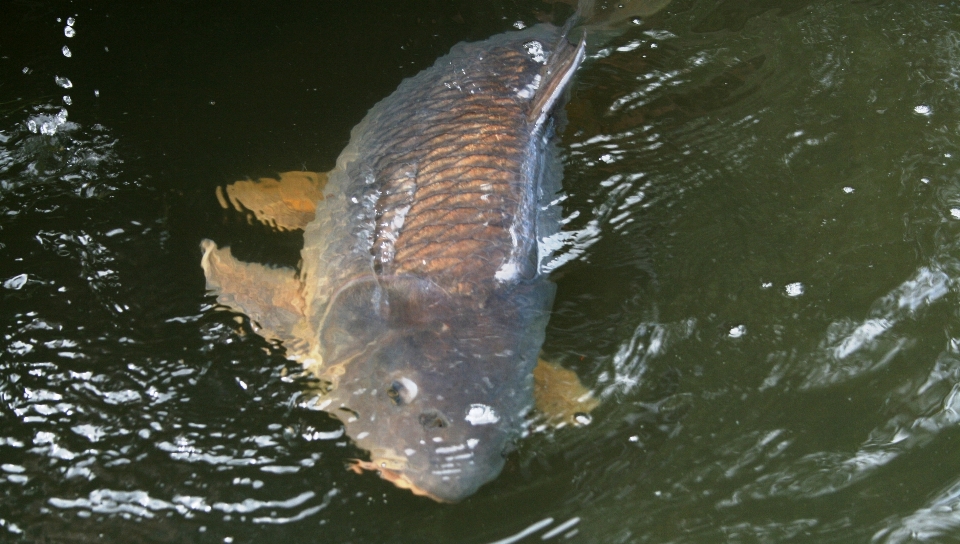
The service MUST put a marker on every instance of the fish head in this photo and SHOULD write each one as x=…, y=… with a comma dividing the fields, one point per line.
x=431, y=388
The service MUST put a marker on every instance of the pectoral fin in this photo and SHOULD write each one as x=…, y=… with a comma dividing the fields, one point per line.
x=269, y=296
x=559, y=395
x=287, y=203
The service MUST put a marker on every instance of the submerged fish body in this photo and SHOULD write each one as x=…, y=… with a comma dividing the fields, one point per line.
x=421, y=269
x=419, y=301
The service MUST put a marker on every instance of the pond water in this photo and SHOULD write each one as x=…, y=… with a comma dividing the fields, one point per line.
x=759, y=277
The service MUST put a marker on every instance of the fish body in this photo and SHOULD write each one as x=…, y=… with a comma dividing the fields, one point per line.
x=421, y=271
x=420, y=302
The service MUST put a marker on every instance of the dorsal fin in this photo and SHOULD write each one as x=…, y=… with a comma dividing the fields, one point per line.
x=555, y=77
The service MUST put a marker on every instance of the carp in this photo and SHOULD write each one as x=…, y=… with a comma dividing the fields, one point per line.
x=420, y=300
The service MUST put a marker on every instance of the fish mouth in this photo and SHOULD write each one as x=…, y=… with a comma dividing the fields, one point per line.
x=395, y=477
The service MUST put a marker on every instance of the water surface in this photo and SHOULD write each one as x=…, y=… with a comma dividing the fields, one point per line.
x=758, y=275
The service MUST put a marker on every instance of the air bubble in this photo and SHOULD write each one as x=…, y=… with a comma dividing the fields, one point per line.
x=66, y=51
x=71, y=21
x=68, y=31
x=67, y=100
x=63, y=82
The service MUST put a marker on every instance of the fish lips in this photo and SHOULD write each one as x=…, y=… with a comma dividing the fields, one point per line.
x=444, y=466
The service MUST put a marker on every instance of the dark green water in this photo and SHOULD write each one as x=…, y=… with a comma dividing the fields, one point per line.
x=758, y=276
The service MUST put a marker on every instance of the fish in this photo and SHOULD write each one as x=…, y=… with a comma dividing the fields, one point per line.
x=420, y=301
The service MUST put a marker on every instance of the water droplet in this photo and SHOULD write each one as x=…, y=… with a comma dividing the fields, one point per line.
x=955, y=212
x=536, y=52
x=848, y=190
x=922, y=109
x=96, y=93
x=63, y=82
x=519, y=25
x=738, y=331
x=66, y=51
x=481, y=414
x=794, y=289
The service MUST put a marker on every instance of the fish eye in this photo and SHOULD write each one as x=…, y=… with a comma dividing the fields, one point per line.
x=402, y=391
x=394, y=392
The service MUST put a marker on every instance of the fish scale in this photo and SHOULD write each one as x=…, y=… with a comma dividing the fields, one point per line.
x=448, y=152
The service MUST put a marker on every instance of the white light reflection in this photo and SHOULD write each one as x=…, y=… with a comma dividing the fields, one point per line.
x=141, y=504
x=849, y=349
x=526, y=532
x=938, y=519
x=481, y=414
x=630, y=361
